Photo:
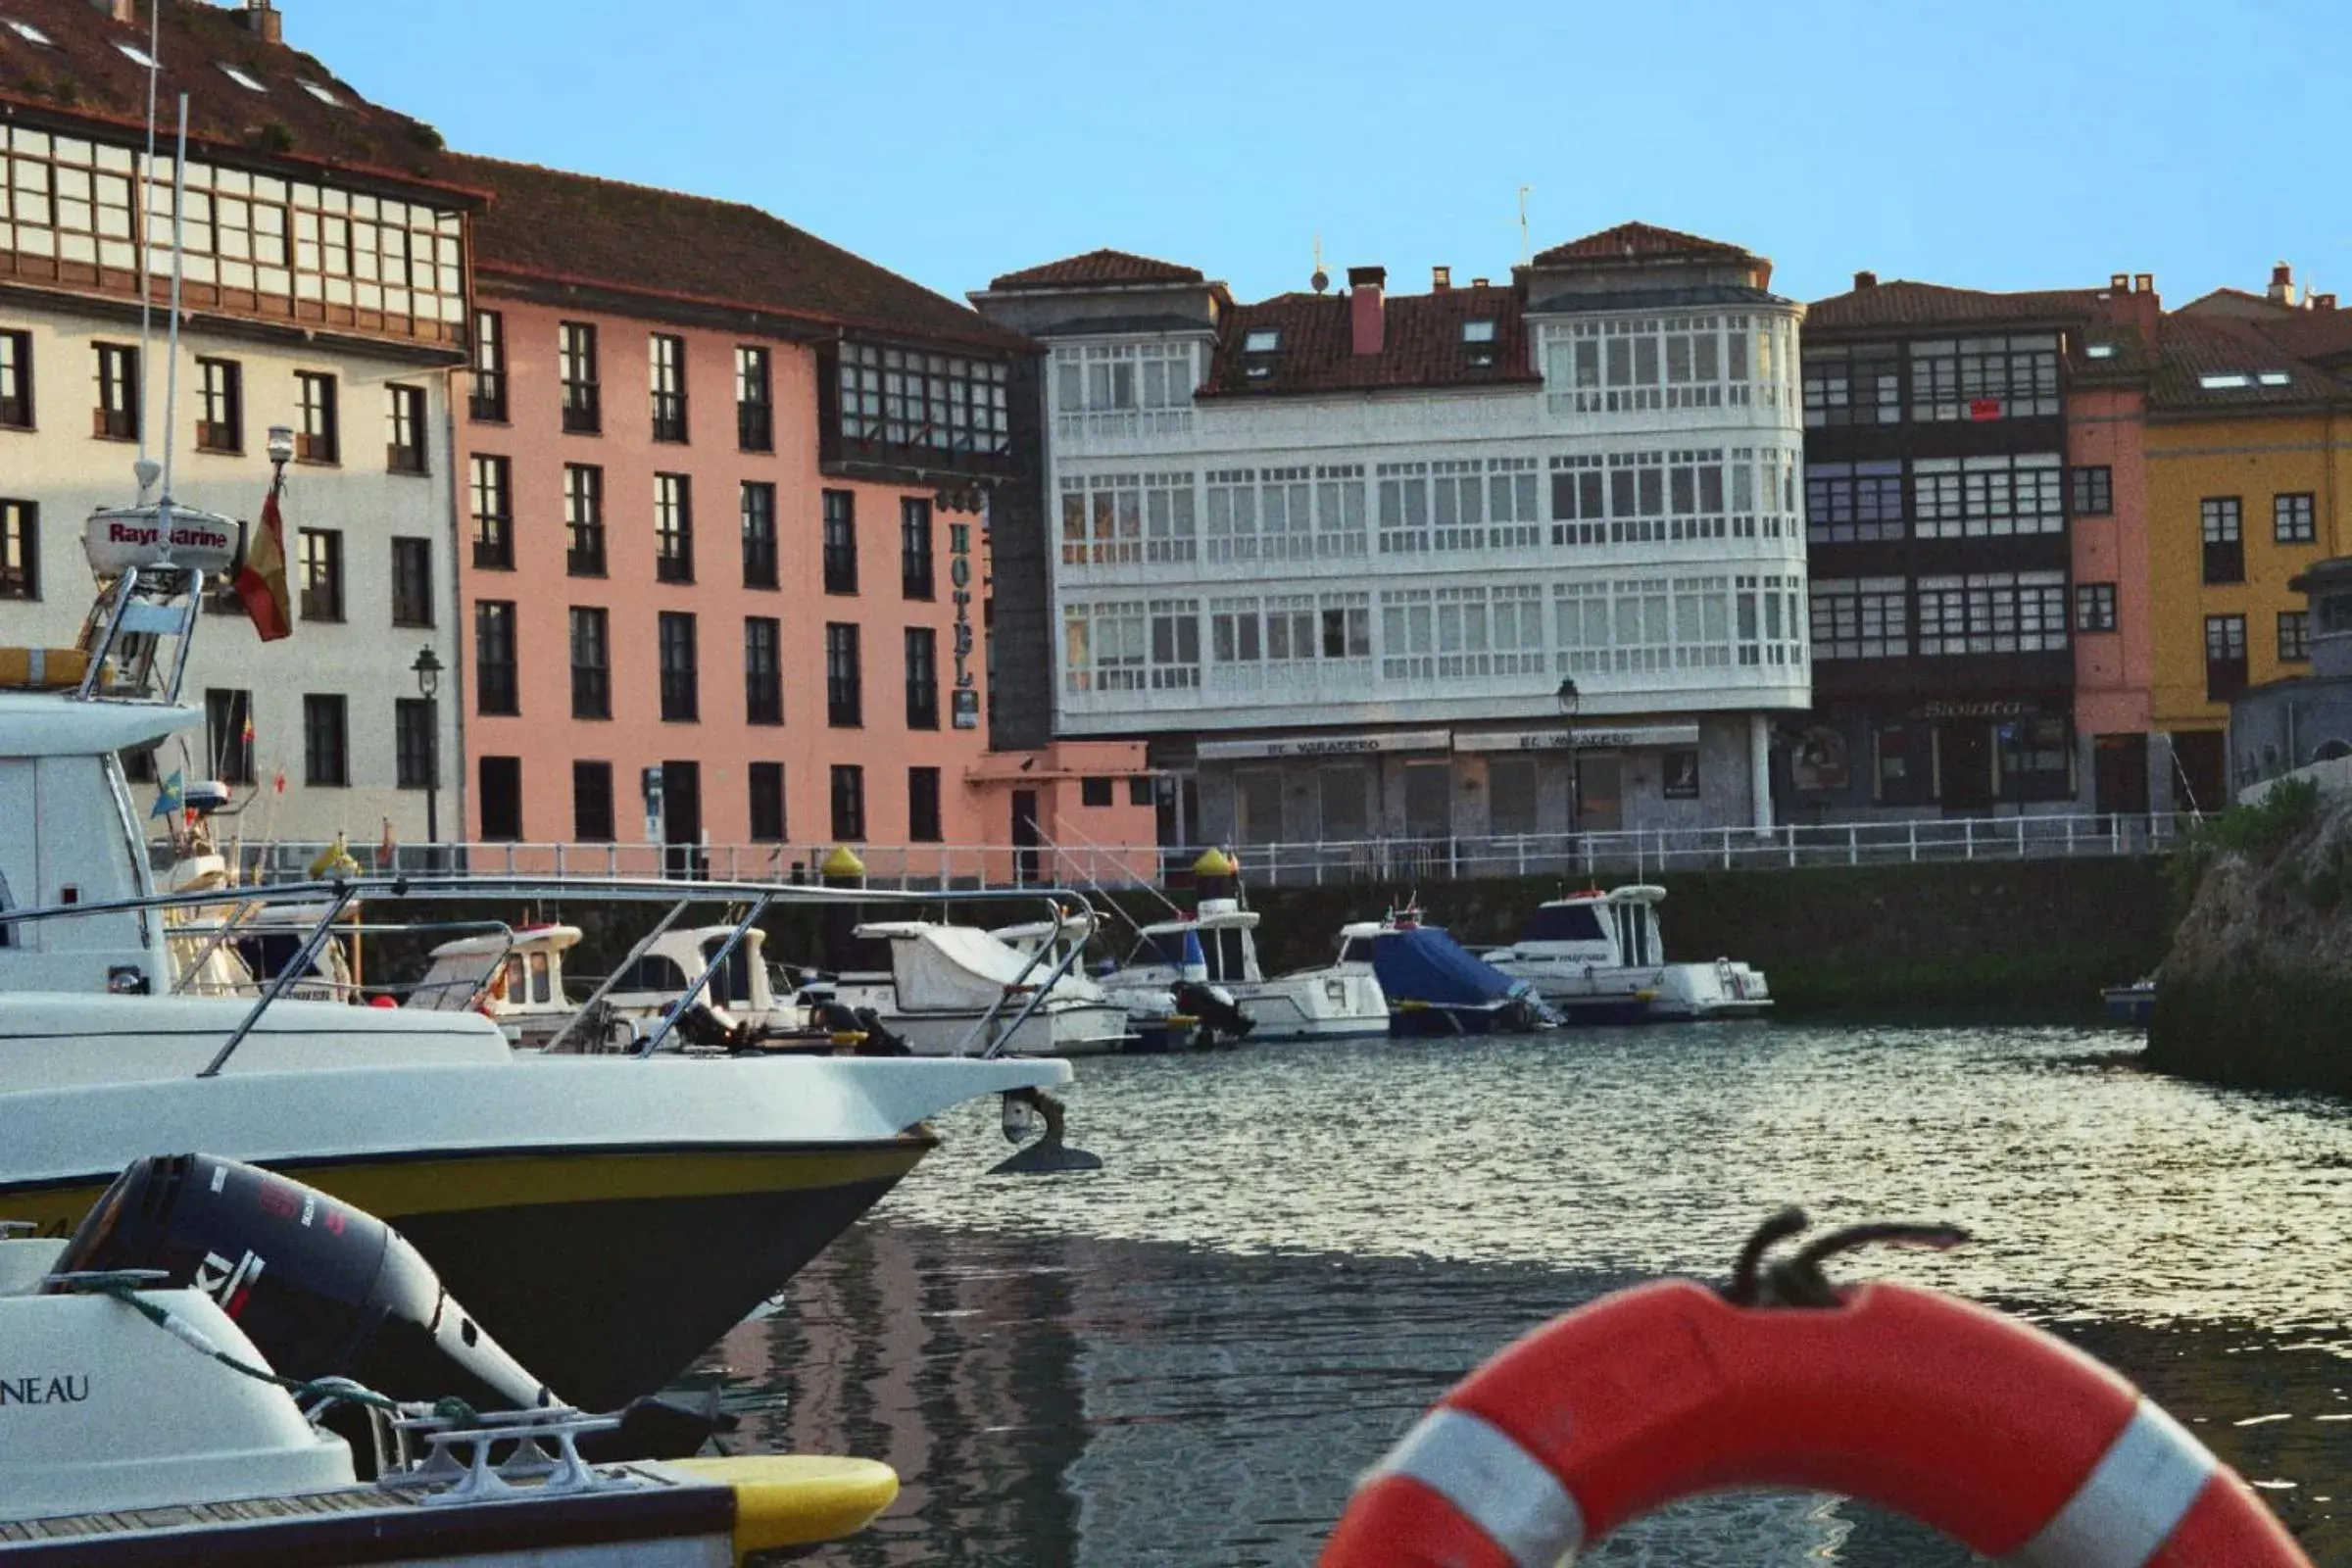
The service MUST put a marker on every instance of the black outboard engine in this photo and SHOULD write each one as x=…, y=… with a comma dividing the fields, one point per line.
x=1205, y=1003
x=326, y=1289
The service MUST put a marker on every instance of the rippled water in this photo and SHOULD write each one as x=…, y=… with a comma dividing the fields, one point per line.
x=1187, y=1358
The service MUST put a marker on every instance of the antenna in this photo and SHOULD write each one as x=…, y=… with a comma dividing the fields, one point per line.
x=155, y=57
x=1321, y=279
x=1525, y=254
x=179, y=185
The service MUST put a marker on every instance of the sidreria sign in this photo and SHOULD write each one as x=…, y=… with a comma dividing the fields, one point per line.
x=119, y=538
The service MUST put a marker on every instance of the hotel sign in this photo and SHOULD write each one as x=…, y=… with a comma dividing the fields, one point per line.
x=1299, y=746
x=1596, y=739
x=965, y=705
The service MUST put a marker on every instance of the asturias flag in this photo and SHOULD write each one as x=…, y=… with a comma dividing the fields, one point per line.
x=262, y=581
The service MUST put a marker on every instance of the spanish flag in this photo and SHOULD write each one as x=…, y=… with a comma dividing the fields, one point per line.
x=262, y=580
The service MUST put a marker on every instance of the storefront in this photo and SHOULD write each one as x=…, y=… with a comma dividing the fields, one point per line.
x=1961, y=757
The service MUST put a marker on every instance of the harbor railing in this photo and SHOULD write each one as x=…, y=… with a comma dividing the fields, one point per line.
x=1391, y=862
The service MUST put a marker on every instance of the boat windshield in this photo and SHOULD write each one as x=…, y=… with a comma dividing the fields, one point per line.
x=1356, y=950
x=653, y=972
x=1162, y=947
x=1565, y=922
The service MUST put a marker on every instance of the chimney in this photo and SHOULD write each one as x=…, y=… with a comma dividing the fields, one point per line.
x=1441, y=278
x=2119, y=282
x=263, y=23
x=1866, y=281
x=2143, y=282
x=119, y=10
x=2283, y=285
x=1367, y=321
x=1478, y=282
x=2323, y=302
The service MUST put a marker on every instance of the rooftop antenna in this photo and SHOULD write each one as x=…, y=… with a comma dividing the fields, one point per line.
x=1525, y=254
x=144, y=469
x=1321, y=279
x=180, y=184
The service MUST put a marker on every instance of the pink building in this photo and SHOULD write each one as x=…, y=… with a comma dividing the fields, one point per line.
x=2106, y=420
x=722, y=568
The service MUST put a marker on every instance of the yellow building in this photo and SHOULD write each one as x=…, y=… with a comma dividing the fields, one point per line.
x=2249, y=471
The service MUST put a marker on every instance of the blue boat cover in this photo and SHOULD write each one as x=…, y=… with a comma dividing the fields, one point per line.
x=1425, y=964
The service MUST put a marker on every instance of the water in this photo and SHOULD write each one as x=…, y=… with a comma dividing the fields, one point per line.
x=1187, y=1358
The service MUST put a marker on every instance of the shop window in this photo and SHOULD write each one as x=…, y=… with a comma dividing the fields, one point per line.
x=2035, y=760
x=1905, y=763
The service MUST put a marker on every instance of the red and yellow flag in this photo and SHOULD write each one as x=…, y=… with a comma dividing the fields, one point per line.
x=262, y=580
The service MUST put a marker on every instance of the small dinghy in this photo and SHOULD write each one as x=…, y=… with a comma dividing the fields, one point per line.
x=224, y=1365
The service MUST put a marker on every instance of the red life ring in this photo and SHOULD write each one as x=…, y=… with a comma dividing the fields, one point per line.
x=2008, y=1441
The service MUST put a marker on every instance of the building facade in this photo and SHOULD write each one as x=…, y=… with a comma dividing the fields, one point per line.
x=323, y=291
x=1938, y=521
x=2248, y=455
x=1485, y=563
x=724, y=566
x=2117, y=748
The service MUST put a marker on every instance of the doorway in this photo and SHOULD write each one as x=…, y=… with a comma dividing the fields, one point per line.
x=1599, y=806
x=1025, y=838
x=2119, y=774
x=1964, y=767
x=682, y=819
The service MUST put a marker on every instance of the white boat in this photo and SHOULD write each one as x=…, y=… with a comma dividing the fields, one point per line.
x=1599, y=958
x=676, y=1196
x=124, y=1443
x=1336, y=1001
x=957, y=989
x=1175, y=1011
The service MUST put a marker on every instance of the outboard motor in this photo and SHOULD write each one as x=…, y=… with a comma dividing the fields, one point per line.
x=326, y=1289
x=1214, y=1008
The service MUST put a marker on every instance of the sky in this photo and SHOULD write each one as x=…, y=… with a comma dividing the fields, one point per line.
x=1991, y=145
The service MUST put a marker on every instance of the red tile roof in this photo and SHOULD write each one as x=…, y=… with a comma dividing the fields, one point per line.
x=547, y=226
x=1422, y=344
x=1900, y=303
x=2193, y=346
x=1644, y=243
x=82, y=72
x=1106, y=267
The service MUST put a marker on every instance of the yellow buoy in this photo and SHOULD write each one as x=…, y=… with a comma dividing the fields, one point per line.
x=1214, y=861
x=842, y=862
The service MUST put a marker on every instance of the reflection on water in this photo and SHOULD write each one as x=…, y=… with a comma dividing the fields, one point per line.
x=1187, y=1358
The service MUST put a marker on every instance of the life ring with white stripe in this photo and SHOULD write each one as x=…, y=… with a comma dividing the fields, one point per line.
x=2007, y=1440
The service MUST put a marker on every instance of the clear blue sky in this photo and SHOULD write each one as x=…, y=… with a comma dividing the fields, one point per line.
x=1997, y=144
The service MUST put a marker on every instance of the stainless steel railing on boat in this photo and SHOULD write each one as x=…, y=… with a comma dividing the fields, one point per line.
x=753, y=899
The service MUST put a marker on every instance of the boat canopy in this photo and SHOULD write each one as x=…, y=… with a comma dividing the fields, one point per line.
x=958, y=967
x=549, y=938
x=43, y=725
x=1425, y=964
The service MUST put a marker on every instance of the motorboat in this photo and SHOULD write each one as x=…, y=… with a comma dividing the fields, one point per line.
x=167, y=1406
x=2133, y=1005
x=1599, y=959
x=1173, y=1009
x=676, y=1196
x=1328, y=1001
x=959, y=990
x=1436, y=986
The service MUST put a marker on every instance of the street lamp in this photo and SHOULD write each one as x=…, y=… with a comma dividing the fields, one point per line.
x=428, y=685
x=1570, y=700
x=282, y=448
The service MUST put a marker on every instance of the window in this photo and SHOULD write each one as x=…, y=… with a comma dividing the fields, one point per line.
x=2094, y=607
x=116, y=416
x=322, y=573
x=1133, y=645
x=848, y=802
x=19, y=550
x=494, y=690
x=762, y=671
x=1987, y=498
x=922, y=678
x=673, y=527
x=325, y=739
x=2094, y=491
x=1994, y=612
x=937, y=403
x=1850, y=501
x=759, y=535
x=668, y=365
x=583, y=520
x=1094, y=791
x=841, y=542
x=1262, y=340
x=416, y=749
x=2294, y=636
x=403, y=414
x=228, y=734
x=1861, y=384
x=922, y=806
x=1976, y=378
x=2036, y=758
x=488, y=403
x=1139, y=790
x=15, y=380
x=2224, y=656
x=755, y=414
x=591, y=663
x=681, y=697
x=2292, y=519
x=844, y=699
x=592, y=803
x=220, y=406
x=575, y=362
x=316, y=439
x=766, y=788
x=915, y=548
x=493, y=513
x=2224, y=546
x=1867, y=617
x=500, y=794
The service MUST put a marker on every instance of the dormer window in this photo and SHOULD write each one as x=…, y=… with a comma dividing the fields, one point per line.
x=2275, y=378
x=1478, y=341
x=135, y=55
x=242, y=79
x=2098, y=351
x=1262, y=340
x=2221, y=382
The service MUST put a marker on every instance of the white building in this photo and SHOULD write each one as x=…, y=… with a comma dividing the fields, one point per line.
x=322, y=292
x=1476, y=563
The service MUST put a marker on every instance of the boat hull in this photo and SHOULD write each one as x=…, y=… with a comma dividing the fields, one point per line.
x=1280, y=1011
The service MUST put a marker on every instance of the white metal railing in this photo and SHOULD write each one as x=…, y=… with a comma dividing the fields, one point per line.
x=946, y=867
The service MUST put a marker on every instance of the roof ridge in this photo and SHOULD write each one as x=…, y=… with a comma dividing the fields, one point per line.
x=630, y=184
